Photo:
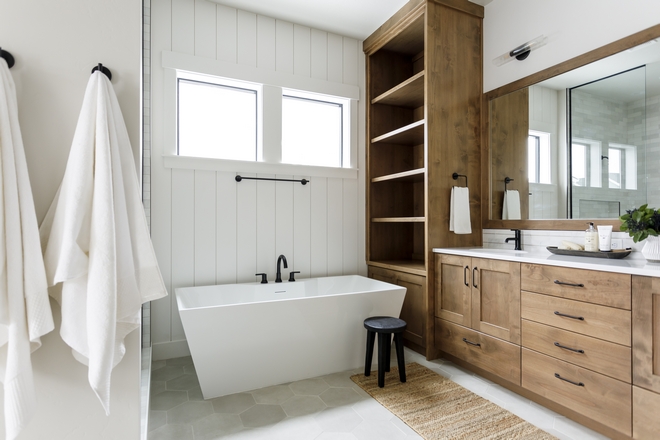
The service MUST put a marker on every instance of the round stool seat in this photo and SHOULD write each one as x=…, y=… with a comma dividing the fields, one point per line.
x=385, y=324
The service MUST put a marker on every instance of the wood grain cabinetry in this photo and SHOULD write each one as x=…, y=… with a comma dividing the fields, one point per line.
x=422, y=127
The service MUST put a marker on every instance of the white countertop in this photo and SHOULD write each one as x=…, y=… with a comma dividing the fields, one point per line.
x=625, y=265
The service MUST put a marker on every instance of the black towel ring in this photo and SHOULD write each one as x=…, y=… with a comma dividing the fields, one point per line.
x=103, y=69
x=8, y=57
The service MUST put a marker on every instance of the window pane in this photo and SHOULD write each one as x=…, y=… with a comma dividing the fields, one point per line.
x=545, y=162
x=217, y=121
x=311, y=132
x=614, y=167
x=532, y=142
x=579, y=164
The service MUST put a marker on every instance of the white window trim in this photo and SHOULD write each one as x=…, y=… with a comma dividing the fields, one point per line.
x=173, y=62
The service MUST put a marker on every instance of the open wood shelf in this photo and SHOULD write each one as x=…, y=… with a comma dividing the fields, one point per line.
x=411, y=134
x=398, y=219
x=405, y=176
x=410, y=266
x=410, y=93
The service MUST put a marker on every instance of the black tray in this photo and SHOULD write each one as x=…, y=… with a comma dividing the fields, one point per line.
x=614, y=254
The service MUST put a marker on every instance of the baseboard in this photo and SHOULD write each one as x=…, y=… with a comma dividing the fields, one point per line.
x=169, y=350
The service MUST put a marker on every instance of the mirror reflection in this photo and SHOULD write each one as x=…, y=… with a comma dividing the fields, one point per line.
x=577, y=145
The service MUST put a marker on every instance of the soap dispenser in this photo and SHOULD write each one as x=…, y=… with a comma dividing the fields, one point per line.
x=591, y=239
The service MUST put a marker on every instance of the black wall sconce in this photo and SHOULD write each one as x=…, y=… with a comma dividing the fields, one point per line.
x=521, y=52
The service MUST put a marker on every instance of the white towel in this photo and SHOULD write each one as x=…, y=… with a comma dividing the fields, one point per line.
x=25, y=313
x=511, y=205
x=459, y=211
x=96, y=241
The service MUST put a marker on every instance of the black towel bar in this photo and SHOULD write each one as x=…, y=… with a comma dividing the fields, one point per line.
x=303, y=181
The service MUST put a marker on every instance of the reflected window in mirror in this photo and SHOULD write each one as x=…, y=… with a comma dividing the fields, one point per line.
x=538, y=157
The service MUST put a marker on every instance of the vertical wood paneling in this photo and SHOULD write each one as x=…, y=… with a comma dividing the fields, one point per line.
x=335, y=226
x=335, y=58
x=284, y=46
x=247, y=38
x=361, y=164
x=226, y=33
x=284, y=220
x=349, y=229
x=319, y=235
x=205, y=221
x=183, y=240
x=161, y=178
x=301, y=50
x=266, y=227
x=265, y=42
x=226, y=228
x=205, y=28
x=350, y=63
x=246, y=230
x=183, y=26
x=319, y=54
x=302, y=250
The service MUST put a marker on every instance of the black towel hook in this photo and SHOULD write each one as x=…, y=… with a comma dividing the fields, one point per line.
x=507, y=180
x=103, y=69
x=455, y=176
x=8, y=57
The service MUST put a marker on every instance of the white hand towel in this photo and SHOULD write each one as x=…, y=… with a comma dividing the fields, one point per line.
x=511, y=205
x=96, y=241
x=459, y=211
x=25, y=313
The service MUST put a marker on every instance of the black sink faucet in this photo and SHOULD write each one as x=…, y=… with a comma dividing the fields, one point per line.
x=516, y=240
x=278, y=276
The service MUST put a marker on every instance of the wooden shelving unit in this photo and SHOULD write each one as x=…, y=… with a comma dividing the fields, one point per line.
x=411, y=134
x=409, y=93
x=404, y=176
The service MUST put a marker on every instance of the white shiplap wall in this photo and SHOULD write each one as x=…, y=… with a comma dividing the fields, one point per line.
x=206, y=228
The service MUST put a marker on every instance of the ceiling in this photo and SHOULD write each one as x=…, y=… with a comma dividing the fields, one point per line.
x=350, y=18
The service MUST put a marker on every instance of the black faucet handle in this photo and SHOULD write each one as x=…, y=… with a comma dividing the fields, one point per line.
x=264, y=277
x=291, y=277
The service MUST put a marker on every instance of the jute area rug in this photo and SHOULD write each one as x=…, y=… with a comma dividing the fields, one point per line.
x=437, y=408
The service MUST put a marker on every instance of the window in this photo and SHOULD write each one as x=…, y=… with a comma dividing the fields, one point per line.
x=622, y=166
x=538, y=157
x=586, y=163
x=614, y=167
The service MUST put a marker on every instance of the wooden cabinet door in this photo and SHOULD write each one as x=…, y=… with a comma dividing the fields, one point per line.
x=414, y=307
x=646, y=332
x=452, y=288
x=496, y=298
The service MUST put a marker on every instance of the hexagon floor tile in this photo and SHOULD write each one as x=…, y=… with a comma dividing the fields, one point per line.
x=322, y=408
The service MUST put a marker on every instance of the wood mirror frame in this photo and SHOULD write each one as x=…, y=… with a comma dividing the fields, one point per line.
x=579, y=61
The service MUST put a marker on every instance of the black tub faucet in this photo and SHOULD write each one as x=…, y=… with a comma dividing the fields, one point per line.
x=516, y=240
x=278, y=276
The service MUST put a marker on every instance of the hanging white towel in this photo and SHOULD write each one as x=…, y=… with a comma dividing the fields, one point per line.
x=459, y=211
x=96, y=241
x=25, y=313
x=511, y=205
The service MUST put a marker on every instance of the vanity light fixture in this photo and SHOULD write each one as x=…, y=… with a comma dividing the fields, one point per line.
x=521, y=52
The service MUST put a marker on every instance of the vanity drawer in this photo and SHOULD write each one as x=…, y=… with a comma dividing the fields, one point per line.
x=588, y=319
x=606, y=288
x=486, y=352
x=593, y=395
x=597, y=355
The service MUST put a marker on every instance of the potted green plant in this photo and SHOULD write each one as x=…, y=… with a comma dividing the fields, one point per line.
x=643, y=223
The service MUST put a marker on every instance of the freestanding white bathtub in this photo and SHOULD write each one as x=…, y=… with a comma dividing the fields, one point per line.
x=248, y=336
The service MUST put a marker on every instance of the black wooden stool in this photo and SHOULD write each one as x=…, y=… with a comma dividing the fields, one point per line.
x=385, y=326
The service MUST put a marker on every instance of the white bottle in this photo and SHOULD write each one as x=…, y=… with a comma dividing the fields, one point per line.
x=591, y=239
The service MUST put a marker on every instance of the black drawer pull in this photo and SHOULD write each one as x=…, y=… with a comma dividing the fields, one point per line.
x=581, y=318
x=474, y=277
x=557, y=344
x=465, y=281
x=577, y=384
x=472, y=343
x=561, y=283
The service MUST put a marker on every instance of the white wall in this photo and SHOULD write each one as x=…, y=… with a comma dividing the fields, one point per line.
x=56, y=44
x=206, y=228
x=572, y=27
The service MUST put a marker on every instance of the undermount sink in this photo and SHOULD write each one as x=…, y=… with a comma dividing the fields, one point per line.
x=499, y=251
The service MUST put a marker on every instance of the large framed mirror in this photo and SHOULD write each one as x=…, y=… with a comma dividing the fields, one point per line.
x=576, y=142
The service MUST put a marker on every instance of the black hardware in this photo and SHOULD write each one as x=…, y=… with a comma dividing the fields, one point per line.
x=561, y=283
x=264, y=277
x=577, y=384
x=521, y=52
x=569, y=316
x=604, y=157
x=291, y=275
x=507, y=180
x=455, y=176
x=474, y=277
x=465, y=281
x=303, y=181
x=476, y=344
x=516, y=240
x=103, y=70
x=8, y=57
x=278, y=276
x=557, y=344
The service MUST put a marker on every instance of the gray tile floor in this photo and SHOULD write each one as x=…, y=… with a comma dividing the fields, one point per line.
x=322, y=408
